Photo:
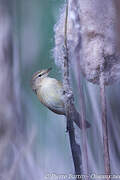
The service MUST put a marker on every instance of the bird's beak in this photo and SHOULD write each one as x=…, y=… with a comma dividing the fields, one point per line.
x=48, y=70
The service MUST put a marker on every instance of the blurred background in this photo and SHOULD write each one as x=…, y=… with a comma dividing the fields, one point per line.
x=33, y=140
x=35, y=22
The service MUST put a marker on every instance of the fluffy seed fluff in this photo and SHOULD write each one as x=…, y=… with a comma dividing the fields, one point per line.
x=92, y=38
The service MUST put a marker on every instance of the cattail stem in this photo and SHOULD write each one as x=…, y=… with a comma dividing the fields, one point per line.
x=82, y=106
x=69, y=105
x=104, y=126
x=83, y=119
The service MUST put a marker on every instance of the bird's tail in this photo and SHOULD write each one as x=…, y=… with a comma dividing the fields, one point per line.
x=78, y=120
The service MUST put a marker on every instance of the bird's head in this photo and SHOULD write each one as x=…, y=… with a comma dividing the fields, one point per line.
x=38, y=77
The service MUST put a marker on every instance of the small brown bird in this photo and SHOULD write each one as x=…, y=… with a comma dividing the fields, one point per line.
x=50, y=93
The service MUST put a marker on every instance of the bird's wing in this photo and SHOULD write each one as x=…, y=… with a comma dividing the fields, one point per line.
x=52, y=96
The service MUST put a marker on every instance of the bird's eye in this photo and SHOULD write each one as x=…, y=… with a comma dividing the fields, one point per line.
x=39, y=75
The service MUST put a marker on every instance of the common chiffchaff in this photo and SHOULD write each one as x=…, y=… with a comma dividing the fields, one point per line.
x=50, y=93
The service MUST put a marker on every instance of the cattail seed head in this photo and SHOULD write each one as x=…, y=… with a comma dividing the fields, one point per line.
x=92, y=38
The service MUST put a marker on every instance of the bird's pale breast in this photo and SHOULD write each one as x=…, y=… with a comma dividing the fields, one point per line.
x=51, y=95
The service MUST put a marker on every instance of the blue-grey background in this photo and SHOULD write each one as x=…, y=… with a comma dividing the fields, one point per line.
x=35, y=20
x=35, y=24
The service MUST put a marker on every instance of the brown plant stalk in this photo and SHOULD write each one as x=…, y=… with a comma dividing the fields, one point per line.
x=83, y=118
x=69, y=105
x=104, y=125
x=82, y=106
